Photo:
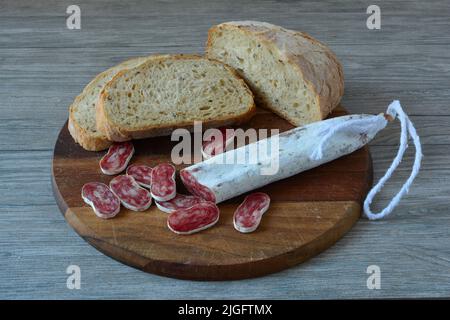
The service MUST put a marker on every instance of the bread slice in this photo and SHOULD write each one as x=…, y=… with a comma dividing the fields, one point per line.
x=82, y=125
x=290, y=72
x=172, y=92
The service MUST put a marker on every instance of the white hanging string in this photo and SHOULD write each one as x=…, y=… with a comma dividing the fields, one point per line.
x=407, y=129
x=377, y=123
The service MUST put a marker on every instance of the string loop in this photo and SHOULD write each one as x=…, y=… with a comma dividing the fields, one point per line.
x=407, y=131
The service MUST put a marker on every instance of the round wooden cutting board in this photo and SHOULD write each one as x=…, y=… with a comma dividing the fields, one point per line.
x=309, y=212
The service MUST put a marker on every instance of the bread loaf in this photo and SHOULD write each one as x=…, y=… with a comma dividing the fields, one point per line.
x=172, y=92
x=82, y=125
x=290, y=73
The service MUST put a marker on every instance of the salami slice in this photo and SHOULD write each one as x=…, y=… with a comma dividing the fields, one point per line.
x=131, y=195
x=141, y=173
x=194, y=219
x=217, y=146
x=289, y=153
x=163, y=186
x=117, y=158
x=249, y=213
x=105, y=204
x=181, y=201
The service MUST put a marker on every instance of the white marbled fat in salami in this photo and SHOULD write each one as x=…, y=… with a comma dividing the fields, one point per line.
x=249, y=213
x=217, y=180
x=196, y=188
x=105, y=204
x=194, y=219
x=141, y=173
x=181, y=201
x=131, y=195
x=218, y=146
x=117, y=158
x=163, y=187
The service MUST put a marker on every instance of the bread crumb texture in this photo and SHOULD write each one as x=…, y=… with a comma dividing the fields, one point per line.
x=82, y=118
x=172, y=91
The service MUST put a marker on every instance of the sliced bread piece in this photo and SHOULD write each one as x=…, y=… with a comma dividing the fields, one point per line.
x=172, y=92
x=290, y=73
x=82, y=124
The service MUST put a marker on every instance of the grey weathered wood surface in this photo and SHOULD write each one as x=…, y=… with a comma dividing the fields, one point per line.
x=43, y=66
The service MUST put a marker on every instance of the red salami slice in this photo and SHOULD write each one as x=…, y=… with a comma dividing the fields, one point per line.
x=194, y=219
x=180, y=201
x=117, y=158
x=104, y=203
x=141, y=173
x=196, y=188
x=131, y=195
x=218, y=146
x=248, y=215
x=163, y=186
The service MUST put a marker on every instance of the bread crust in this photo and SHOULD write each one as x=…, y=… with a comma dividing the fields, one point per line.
x=325, y=78
x=87, y=140
x=81, y=136
x=115, y=132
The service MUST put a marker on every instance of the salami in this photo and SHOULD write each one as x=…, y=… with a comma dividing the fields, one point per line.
x=217, y=146
x=291, y=152
x=163, y=186
x=180, y=201
x=117, y=158
x=104, y=203
x=131, y=195
x=249, y=213
x=141, y=173
x=194, y=219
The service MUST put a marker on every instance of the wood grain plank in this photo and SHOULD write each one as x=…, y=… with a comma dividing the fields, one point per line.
x=26, y=89
x=49, y=239
x=409, y=269
x=411, y=247
x=40, y=132
x=367, y=63
x=46, y=8
x=104, y=29
x=35, y=168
